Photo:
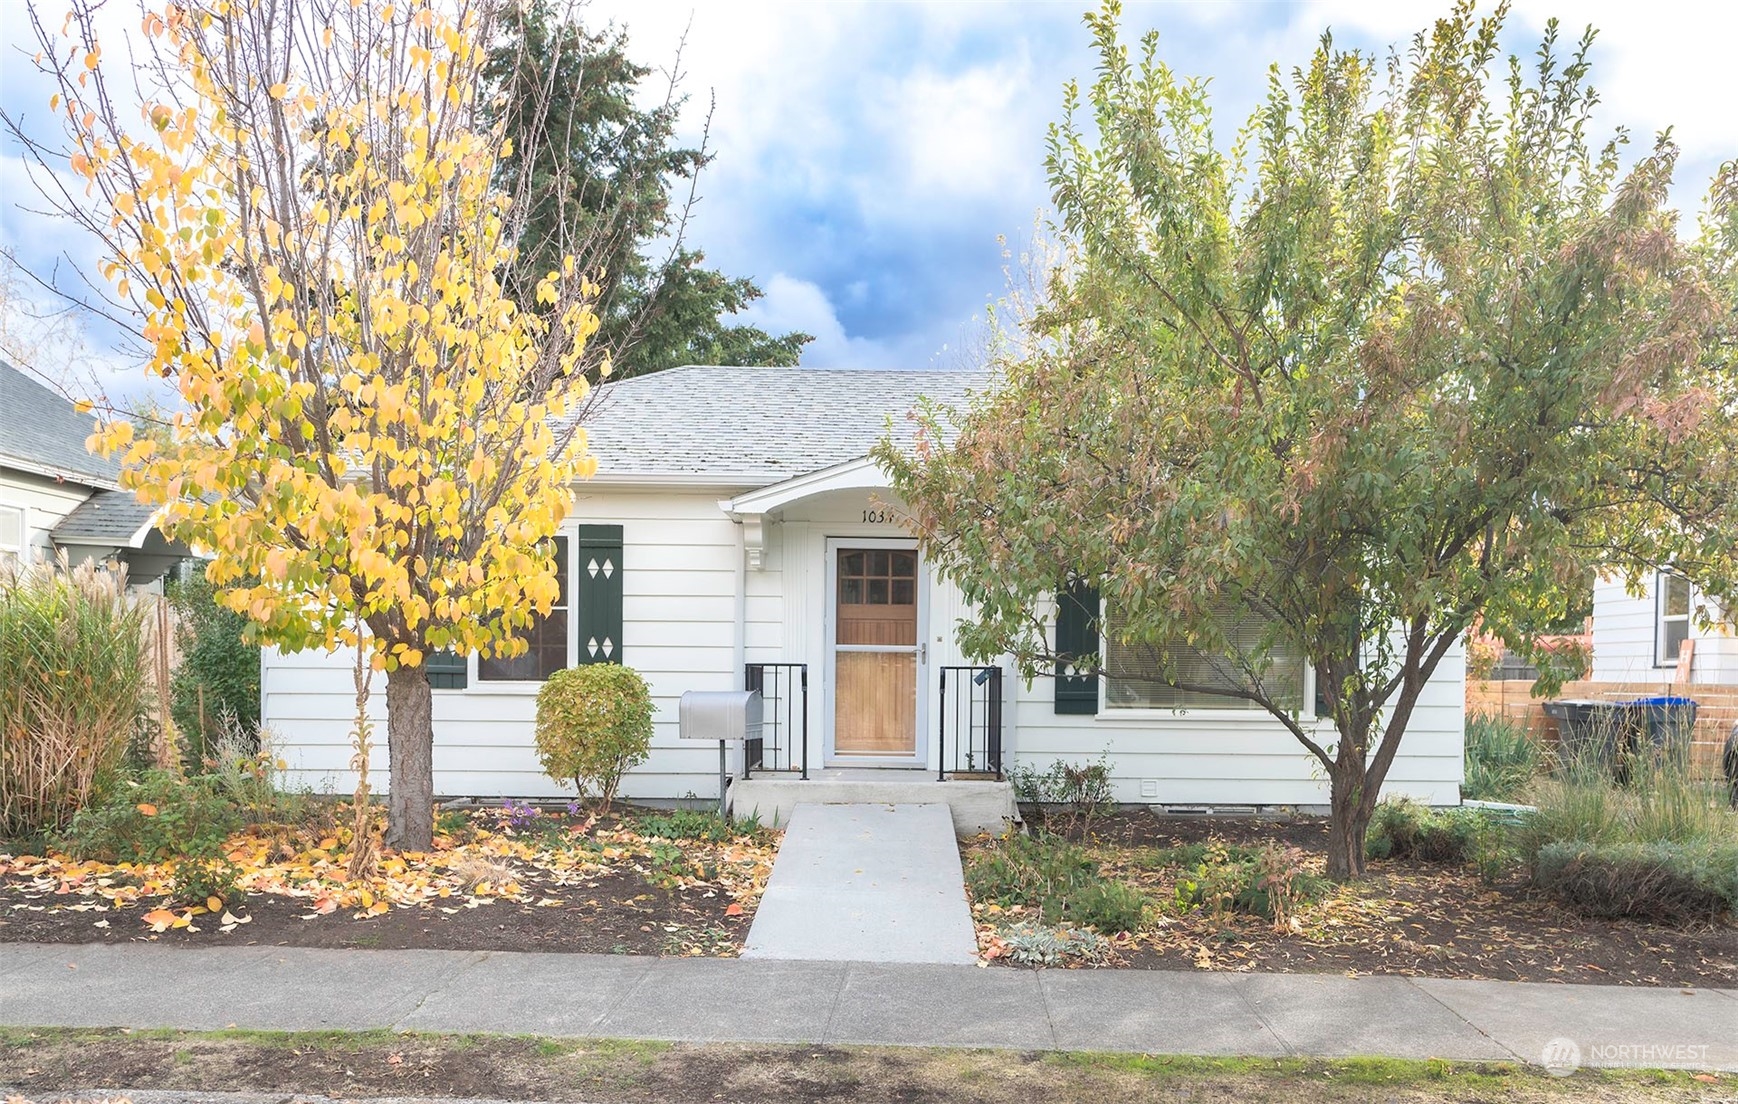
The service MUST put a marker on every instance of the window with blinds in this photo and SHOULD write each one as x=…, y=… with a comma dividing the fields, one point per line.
x=1135, y=674
x=547, y=637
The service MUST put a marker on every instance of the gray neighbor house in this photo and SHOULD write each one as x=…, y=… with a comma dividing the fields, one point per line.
x=57, y=496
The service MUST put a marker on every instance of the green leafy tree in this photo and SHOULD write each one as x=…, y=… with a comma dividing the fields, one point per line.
x=612, y=185
x=218, y=672
x=1410, y=352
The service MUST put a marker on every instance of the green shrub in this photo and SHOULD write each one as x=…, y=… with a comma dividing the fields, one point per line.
x=704, y=825
x=1404, y=829
x=74, y=690
x=1653, y=881
x=1070, y=796
x=1056, y=878
x=215, y=687
x=158, y=817
x=1501, y=759
x=1106, y=906
x=593, y=724
x=1267, y=881
x=198, y=881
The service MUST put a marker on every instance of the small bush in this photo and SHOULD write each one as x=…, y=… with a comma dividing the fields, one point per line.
x=74, y=689
x=1070, y=796
x=201, y=881
x=1267, y=881
x=1407, y=830
x=158, y=817
x=1031, y=944
x=1653, y=881
x=593, y=724
x=1056, y=878
x=1501, y=759
x=1106, y=906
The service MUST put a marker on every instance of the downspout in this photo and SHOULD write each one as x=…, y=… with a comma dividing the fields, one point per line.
x=739, y=642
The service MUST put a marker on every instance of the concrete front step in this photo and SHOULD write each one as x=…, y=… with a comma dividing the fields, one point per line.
x=975, y=805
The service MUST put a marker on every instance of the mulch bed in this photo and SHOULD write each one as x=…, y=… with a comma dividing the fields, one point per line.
x=1406, y=918
x=560, y=898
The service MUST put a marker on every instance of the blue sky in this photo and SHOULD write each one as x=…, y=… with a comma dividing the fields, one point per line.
x=870, y=154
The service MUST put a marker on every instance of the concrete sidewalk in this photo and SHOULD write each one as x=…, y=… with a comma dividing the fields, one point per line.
x=724, y=1000
x=866, y=883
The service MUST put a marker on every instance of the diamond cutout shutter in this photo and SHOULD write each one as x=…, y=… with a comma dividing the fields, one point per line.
x=1077, y=636
x=599, y=594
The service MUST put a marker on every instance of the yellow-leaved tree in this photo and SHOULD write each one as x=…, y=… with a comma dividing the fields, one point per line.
x=306, y=217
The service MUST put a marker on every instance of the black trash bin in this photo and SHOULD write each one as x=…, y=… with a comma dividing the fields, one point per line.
x=1594, y=735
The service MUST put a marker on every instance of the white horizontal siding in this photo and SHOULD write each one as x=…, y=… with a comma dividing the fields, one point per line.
x=1625, y=638
x=1238, y=756
x=44, y=502
x=679, y=611
x=680, y=606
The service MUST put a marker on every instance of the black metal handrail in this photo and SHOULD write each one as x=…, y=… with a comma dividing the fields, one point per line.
x=784, y=741
x=975, y=711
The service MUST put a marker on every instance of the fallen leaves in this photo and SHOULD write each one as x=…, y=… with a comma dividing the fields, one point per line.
x=486, y=863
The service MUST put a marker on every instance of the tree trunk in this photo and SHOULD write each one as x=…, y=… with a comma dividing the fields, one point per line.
x=410, y=757
x=1349, y=821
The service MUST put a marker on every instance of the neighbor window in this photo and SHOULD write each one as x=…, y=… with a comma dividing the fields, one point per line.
x=1672, y=600
x=547, y=637
x=11, y=534
x=1135, y=674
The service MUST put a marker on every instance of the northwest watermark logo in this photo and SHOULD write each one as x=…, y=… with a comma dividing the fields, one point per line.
x=1561, y=1057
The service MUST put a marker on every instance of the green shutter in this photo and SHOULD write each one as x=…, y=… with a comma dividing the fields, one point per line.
x=447, y=670
x=598, y=597
x=1077, y=636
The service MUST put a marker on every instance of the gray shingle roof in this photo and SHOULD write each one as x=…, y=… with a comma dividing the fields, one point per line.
x=757, y=426
x=42, y=430
x=106, y=517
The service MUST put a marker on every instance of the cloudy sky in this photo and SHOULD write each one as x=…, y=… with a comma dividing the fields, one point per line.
x=870, y=154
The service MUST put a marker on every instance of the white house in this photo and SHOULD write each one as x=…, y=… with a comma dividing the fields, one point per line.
x=56, y=496
x=736, y=532
x=1639, y=638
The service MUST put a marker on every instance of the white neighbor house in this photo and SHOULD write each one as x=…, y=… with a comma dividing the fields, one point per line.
x=736, y=520
x=1637, y=637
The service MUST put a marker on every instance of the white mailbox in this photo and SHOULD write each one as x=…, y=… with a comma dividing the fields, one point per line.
x=721, y=715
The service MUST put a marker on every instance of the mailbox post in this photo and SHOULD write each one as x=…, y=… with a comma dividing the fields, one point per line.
x=727, y=716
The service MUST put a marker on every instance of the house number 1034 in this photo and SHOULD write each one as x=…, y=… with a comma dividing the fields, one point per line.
x=880, y=517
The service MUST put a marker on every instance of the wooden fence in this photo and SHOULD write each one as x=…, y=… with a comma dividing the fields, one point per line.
x=1716, y=708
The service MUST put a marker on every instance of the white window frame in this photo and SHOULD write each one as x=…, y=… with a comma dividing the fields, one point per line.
x=1233, y=709
x=474, y=680
x=17, y=552
x=1662, y=580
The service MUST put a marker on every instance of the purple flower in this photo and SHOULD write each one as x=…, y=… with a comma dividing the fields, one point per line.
x=520, y=814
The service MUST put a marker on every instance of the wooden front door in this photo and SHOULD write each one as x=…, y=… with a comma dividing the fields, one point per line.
x=875, y=653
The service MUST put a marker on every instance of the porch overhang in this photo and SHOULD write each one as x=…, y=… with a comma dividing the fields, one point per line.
x=751, y=509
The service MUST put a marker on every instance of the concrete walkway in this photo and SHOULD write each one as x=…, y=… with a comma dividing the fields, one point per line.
x=866, y=883
x=723, y=1000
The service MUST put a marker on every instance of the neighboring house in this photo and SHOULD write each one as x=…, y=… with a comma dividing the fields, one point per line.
x=735, y=528
x=56, y=496
x=1638, y=638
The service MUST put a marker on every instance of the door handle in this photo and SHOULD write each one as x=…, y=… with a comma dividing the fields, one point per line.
x=923, y=653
